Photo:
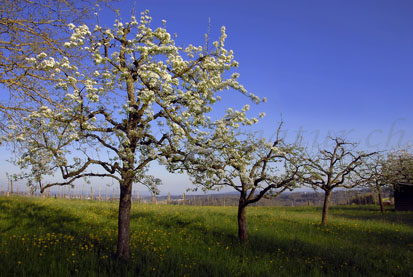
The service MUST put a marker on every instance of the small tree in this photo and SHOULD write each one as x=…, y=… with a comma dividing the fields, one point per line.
x=398, y=166
x=255, y=168
x=137, y=99
x=333, y=168
x=388, y=171
x=375, y=175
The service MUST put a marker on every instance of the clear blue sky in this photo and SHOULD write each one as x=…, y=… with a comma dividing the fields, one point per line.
x=326, y=66
x=339, y=66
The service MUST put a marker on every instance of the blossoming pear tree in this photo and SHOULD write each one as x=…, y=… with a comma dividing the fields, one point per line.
x=144, y=98
x=254, y=167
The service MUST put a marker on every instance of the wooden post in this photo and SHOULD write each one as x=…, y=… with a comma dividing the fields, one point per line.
x=11, y=186
x=169, y=198
x=137, y=196
x=183, y=198
x=91, y=193
x=153, y=199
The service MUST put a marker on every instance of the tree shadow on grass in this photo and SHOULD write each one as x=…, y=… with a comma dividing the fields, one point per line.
x=136, y=215
x=390, y=216
x=363, y=251
x=333, y=245
x=25, y=216
x=31, y=217
x=357, y=208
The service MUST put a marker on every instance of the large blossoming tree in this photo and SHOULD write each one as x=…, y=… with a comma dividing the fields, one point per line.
x=143, y=97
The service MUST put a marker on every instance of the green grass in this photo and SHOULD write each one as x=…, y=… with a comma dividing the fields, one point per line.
x=56, y=237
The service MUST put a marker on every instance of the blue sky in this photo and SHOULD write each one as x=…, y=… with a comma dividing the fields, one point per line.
x=338, y=66
x=329, y=67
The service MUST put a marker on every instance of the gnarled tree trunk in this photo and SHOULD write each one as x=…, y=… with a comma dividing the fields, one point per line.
x=242, y=222
x=325, y=207
x=123, y=249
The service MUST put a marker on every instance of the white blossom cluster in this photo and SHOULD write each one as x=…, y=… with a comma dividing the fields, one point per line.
x=229, y=158
x=139, y=96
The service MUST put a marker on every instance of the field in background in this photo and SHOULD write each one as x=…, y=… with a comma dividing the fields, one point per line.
x=61, y=237
x=292, y=199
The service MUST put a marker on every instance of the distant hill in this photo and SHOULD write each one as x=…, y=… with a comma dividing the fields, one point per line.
x=305, y=198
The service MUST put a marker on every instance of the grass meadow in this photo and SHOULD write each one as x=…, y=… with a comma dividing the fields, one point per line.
x=61, y=237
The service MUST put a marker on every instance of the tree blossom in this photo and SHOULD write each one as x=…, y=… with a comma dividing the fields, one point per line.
x=254, y=167
x=138, y=96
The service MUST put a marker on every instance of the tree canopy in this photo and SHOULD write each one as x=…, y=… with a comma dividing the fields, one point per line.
x=28, y=28
x=254, y=167
x=137, y=96
x=333, y=167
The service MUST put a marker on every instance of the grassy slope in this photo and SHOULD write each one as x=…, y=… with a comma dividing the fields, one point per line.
x=56, y=237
